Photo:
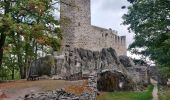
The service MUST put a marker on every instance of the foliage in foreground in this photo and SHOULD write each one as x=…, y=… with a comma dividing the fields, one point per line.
x=28, y=30
x=145, y=95
x=150, y=21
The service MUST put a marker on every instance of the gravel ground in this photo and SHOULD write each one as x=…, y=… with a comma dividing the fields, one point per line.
x=13, y=90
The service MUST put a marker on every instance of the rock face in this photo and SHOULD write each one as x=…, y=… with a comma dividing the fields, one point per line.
x=154, y=72
x=80, y=62
x=126, y=61
x=137, y=70
x=114, y=81
x=77, y=64
x=42, y=66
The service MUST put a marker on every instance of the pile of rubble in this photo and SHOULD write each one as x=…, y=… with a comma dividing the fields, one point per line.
x=56, y=95
x=92, y=84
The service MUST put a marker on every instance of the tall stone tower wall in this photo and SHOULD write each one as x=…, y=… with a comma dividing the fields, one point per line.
x=75, y=15
x=79, y=33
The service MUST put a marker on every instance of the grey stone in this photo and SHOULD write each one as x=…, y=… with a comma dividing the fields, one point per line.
x=126, y=61
x=41, y=66
x=62, y=95
x=85, y=61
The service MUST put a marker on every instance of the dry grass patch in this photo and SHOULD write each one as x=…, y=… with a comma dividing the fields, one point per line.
x=78, y=89
x=43, y=84
x=164, y=94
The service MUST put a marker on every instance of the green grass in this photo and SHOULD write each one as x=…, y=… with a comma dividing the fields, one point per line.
x=145, y=95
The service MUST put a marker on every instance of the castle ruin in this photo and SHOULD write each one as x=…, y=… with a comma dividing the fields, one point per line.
x=90, y=52
x=79, y=33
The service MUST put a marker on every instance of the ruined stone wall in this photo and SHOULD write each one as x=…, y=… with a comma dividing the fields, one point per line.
x=106, y=38
x=79, y=33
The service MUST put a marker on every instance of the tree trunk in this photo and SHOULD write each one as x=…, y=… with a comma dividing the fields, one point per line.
x=13, y=73
x=19, y=56
x=12, y=66
x=26, y=67
x=21, y=68
x=3, y=36
x=2, y=42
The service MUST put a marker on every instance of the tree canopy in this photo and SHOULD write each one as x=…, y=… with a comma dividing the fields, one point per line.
x=150, y=21
x=28, y=29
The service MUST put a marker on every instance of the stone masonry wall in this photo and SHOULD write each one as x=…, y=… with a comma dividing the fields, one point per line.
x=79, y=33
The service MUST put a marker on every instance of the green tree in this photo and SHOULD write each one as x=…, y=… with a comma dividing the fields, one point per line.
x=150, y=21
x=26, y=28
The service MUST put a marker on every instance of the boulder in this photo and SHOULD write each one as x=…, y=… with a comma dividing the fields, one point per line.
x=56, y=77
x=41, y=66
x=139, y=71
x=126, y=61
x=113, y=81
x=153, y=72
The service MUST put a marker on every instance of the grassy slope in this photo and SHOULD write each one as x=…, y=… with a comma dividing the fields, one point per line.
x=146, y=95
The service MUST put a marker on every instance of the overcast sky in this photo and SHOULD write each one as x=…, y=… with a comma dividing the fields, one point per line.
x=108, y=14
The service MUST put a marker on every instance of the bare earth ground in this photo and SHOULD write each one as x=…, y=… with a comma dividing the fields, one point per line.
x=13, y=90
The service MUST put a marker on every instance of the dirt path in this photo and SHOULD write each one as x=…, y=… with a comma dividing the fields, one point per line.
x=155, y=90
x=14, y=94
x=13, y=90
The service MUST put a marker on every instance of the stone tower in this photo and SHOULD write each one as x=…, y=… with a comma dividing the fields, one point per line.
x=75, y=15
x=79, y=33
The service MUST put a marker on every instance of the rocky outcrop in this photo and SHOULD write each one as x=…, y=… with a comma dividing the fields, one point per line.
x=86, y=61
x=126, y=61
x=42, y=66
x=114, y=81
x=138, y=69
x=154, y=73
x=78, y=64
